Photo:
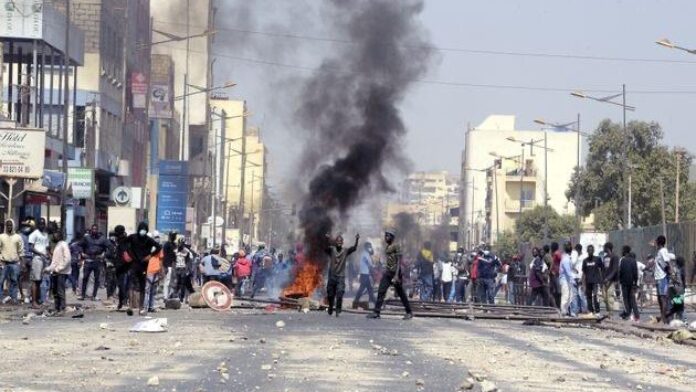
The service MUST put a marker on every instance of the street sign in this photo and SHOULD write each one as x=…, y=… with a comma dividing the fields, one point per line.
x=22, y=152
x=81, y=181
x=217, y=295
x=121, y=195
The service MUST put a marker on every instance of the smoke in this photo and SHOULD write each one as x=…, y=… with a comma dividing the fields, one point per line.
x=350, y=108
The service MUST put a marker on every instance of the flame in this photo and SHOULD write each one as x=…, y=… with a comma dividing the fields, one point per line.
x=308, y=276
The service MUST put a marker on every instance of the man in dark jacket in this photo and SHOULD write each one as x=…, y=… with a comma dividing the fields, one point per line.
x=140, y=248
x=336, y=285
x=592, y=274
x=515, y=273
x=121, y=265
x=536, y=280
x=611, y=276
x=169, y=250
x=628, y=277
x=94, y=247
x=487, y=272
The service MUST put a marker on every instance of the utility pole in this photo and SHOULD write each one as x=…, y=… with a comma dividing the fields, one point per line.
x=546, y=185
x=521, y=181
x=577, y=188
x=678, y=154
x=2, y=62
x=625, y=133
x=662, y=207
x=242, y=187
x=251, y=217
x=66, y=109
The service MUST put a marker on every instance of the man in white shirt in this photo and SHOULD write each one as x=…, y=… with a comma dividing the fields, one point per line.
x=579, y=301
x=38, y=244
x=662, y=259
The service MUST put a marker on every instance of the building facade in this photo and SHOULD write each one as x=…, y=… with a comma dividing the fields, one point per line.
x=500, y=177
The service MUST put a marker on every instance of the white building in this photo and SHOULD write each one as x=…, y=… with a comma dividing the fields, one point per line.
x=491, y=194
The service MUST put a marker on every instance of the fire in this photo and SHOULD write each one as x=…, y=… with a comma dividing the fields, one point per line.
x=308, y=277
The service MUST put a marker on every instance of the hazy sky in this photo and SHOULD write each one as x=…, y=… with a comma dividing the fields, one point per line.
x=437, y=114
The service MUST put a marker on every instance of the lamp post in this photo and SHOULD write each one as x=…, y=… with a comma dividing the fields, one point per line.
x=576, y=129
x=610, y=100
x=492, y=168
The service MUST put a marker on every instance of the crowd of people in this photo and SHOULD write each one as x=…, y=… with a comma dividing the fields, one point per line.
x=37, y=266
x=569, y=277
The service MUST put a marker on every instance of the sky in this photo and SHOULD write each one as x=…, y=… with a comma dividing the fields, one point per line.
x=269, y=67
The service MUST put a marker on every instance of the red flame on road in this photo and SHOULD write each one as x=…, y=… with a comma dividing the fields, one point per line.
x=308, y=276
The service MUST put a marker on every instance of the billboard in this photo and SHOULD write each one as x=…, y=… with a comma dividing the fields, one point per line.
x=22, y=152
x=139, y=89
x=172, y=196
x=160, y=101
x=81, y=181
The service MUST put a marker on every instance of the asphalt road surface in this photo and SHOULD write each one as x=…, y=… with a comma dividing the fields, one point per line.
x=245, y=350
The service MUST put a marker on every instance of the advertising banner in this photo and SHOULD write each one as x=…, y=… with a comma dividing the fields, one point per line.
x=139, y=89
x=160, y=101
x=172, y=196
x=81, y=181
x=22, y=152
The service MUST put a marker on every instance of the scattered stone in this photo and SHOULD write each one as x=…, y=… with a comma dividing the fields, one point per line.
x=266, y=367
x=262, y=341
x=639, y=387
x=405, y=374
x=280, y=324
x=487, y=386
x=677, y=324
x=560, y=379
x=153, y=381
x=681, y=335
x=420, y=382
x=476, y=376
x=603, y=366
x=103, y=326
x=466, y=385
x=102, y=348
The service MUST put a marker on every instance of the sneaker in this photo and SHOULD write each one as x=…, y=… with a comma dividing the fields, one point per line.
x=6, y=299
x=80, y=298
x=129, y=312
x=408, y=316
x=151, y=310
x=338, y=312
x=96, y=299
x=373, y=316
x=330, y=311
x=143, y=312
x=27, y=300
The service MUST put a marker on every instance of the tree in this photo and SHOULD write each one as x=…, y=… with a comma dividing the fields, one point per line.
x=507, y=244
x=530, y=225
x=614, y=155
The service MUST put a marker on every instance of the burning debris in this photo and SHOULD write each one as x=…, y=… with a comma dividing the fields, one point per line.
x=350, y=108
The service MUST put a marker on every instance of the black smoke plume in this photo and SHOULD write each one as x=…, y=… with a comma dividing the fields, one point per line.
x=349, y=106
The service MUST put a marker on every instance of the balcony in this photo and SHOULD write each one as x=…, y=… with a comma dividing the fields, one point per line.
x=529, y=175
x=514, y=205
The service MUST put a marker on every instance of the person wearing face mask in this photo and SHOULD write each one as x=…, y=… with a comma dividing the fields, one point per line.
x=38, y=243
x=94, y=247
x=140, y=249
x=11, y=251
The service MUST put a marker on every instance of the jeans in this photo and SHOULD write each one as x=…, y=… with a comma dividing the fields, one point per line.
x=446, y=290
x=89, y=268
x=167, y=281
x=365, y=286
x=151, y=283
x=487, y=290
x=384, y=285
x=183, y=279
x=578, y=303
x=426, y=282
x=628, y=293
x=510, y=291
x=539, y=293
x=259, y=281
x=122, y=280
x=111, y=281
x=592, y=294
x=10, y=272
x=460, y=290
x=45, y=287
x=567, y=294
x=437, y=289
x=335, y=288
x=58, y=288
x=74, y=275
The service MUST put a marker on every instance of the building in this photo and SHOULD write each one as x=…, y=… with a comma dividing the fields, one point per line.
x=500, y=177
x=432, y=194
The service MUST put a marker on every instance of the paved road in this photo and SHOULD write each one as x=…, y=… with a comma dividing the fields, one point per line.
x=315, y=352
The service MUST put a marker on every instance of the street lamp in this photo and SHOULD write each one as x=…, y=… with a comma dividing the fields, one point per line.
x=670, y=45
x=610, y=100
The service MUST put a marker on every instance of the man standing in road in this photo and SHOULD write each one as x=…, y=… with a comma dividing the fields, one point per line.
x=38, y=243
x=169, y=249
x=566, y=281
x=140, y=248
x=592, y=273
x=336, y=285
x=487, y=271
x=11, y=252
x=365, y=273
x=94, y=247
x=391, y=277
x=628, y=277
x=611, y=276
x=662, y=260
x=424, y=263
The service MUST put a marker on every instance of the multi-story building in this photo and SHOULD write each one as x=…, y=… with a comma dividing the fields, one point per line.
x=501, y=177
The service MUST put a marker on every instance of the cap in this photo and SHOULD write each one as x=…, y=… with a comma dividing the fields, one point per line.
x=391, y=232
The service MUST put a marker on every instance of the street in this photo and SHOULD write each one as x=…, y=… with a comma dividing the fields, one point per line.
x=244, y=350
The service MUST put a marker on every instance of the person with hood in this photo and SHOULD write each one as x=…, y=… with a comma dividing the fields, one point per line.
x=336, y=284
x=424, y=264
x=391, y=277
x=94, y=248
x=59, y=270
x=11, y=252
x=593, y=275
x=365, y=271
x=140, y=249
x=242, y=271
x=39, y=245
x=122, y=263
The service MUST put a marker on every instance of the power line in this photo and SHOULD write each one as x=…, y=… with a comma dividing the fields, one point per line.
x=460, y=84
x=454, y=49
